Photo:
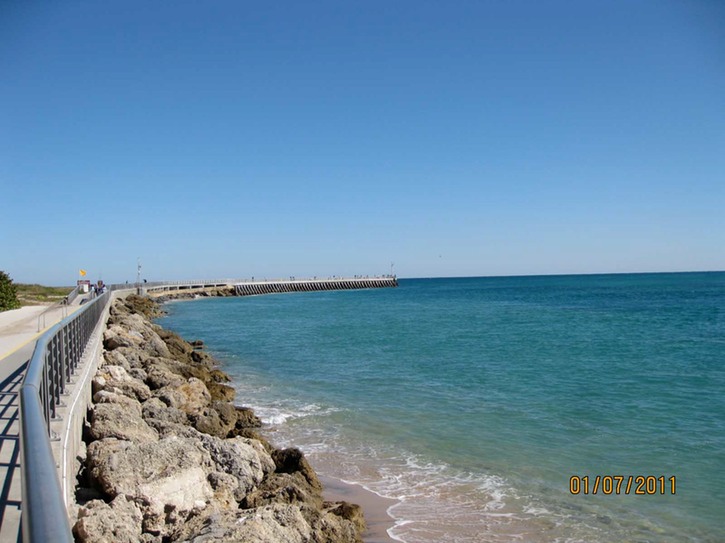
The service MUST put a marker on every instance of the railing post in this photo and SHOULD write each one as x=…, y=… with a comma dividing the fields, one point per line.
x=45, y=392
x=63, y=361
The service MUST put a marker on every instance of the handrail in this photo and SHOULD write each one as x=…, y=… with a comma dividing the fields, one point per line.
x=41, y=317
x=72, y=295
x=57, y=354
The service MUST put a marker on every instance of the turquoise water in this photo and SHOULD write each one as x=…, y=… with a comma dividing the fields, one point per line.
x=474, y=400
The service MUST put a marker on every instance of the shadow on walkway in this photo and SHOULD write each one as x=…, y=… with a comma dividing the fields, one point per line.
x=10, y=496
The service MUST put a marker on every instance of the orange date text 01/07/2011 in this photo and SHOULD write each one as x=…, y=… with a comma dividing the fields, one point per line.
x=638, y=485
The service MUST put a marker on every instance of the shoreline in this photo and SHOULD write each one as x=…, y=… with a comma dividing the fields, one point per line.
x=375, y=507
x=171, y=456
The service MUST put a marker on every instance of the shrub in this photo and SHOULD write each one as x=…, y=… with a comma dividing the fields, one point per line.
x=8, y=293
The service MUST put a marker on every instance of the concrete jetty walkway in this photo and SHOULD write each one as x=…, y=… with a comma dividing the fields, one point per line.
x=19, y=330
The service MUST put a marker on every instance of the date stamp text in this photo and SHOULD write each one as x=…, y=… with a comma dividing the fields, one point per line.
x=638, y=485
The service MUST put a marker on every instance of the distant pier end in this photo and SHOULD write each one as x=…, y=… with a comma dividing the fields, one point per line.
x=230, y=287
x=308, y=285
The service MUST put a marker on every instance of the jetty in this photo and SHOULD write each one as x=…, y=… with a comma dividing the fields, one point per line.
x=46, y=390
x=251, y=287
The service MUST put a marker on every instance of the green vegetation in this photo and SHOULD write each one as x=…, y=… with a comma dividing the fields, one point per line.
x=8, y=293
x=38, y=294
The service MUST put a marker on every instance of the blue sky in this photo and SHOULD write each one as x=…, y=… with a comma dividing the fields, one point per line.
x=269, y=139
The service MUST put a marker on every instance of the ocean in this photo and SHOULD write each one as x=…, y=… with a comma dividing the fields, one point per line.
x=505, y=409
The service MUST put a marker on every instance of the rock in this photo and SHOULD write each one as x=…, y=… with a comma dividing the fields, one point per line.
x=227, y=414
x=116, y=358
x=117, y=522
x=171, y=472
x=209, y=422
x=158, y=374
x=223, y=419
x=201, y=358
x=292, y=461
x=221, y=392
x=178, y=347
x=144, y=305
x=246, y=418
x=225, y=487
x=250, y=433
x=84, y=495
x=133, y=304
x=169, y=478
x=330, y=528
x=155, y=410
x=189, y=363
x=134, y=330
x=348, y=511
x=139, y=374
x=107, y=396
x=191, y=397
x=291, y=488
x=278, y=523
x=118, y=418
x=116, y=379
x=154, y=345
x=134, y=357
x=244, y=459
x=117, y=336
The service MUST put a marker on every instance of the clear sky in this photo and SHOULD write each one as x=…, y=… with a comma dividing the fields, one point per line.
x=231, y=139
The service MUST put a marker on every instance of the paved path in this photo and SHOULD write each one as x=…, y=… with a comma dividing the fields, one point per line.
x=19, y=330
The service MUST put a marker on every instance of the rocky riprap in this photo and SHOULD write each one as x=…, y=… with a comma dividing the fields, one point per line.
x=170, y=458
x=218, y=292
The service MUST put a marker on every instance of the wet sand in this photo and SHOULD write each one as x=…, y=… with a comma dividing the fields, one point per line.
x=374, y=507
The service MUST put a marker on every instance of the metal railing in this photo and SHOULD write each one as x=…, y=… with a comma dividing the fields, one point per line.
x=72, y=296
x=43, y=316
x=55, y=358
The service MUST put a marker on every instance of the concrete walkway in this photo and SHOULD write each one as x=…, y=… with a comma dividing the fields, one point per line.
x=19, y=330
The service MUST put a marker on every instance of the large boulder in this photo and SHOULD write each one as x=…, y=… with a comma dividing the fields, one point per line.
x=178, y=347
x=134, y=330
x=212, y=377
x=116, y=336
x=170, y=474
x=291, y=488
x=245, y=459
x=117, y=522
x=272, y=523
x=117, y=379
x=246, y=418
x=154, y=410
x=116, y=358
x=221, y=392
x=209, y=422
x=348, y=511
x=223, y=419
x=159, y=373
x=135, y=304
x=134, y=357
x=120, y=417
x=292, y=460
x=192, y=397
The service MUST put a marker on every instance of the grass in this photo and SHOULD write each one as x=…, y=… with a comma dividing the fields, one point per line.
x=41, y=295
